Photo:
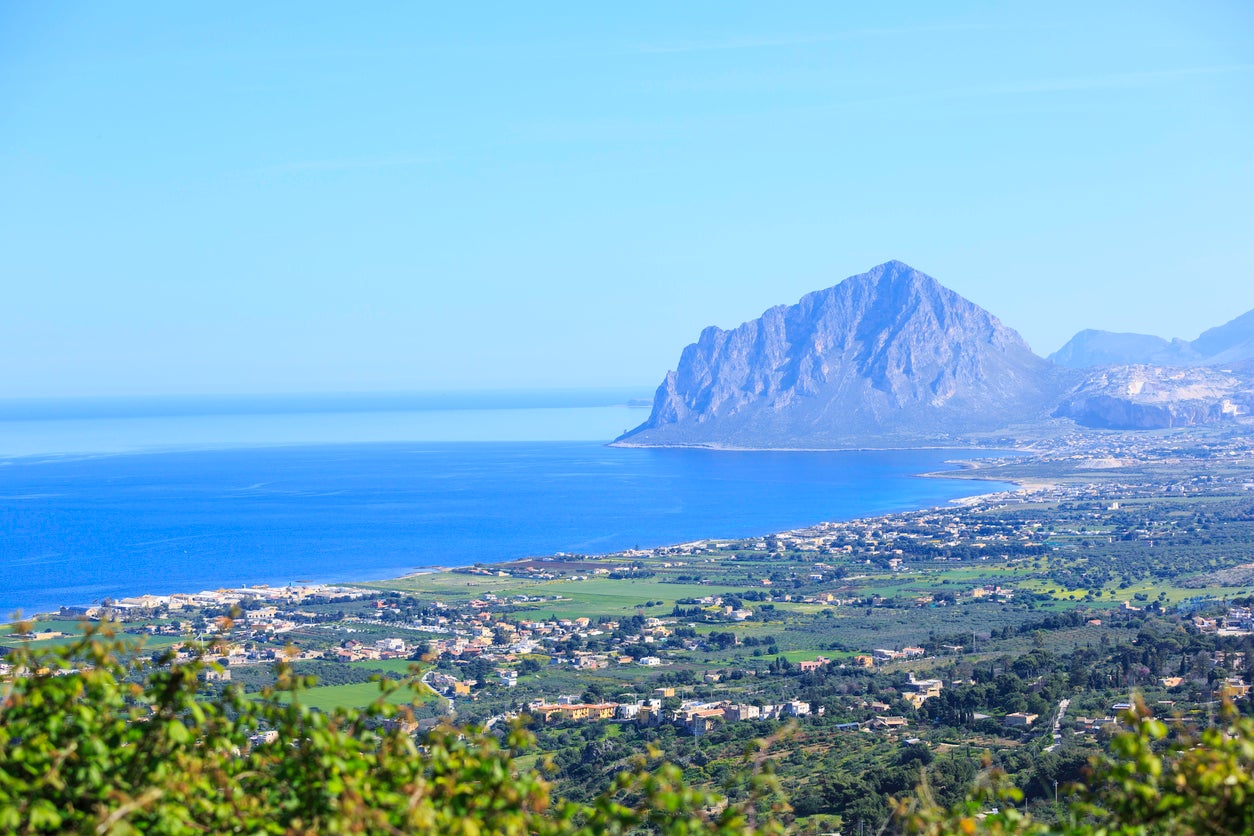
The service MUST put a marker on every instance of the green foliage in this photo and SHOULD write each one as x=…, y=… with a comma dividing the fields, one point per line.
x=1156, y=781
x=1197, y=783
x=96, y=738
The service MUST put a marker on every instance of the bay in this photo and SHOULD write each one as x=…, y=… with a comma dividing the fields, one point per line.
x=207, y=501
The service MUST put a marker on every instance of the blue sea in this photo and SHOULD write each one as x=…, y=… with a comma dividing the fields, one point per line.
x=114, y=498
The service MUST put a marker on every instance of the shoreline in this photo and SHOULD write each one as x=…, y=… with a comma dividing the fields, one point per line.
x=960, y=467
x=733, y=448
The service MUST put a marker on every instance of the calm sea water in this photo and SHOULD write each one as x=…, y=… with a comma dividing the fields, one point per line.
x=339, y=495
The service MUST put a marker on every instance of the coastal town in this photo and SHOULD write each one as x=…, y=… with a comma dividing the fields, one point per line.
x=1023, y=622
x=682, y=628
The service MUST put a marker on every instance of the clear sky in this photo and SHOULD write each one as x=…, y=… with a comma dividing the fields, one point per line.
x=264, y=197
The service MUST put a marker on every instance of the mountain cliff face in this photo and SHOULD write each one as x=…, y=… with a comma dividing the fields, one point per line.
x=886, y=355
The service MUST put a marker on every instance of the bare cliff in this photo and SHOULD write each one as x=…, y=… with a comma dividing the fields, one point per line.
x=888, y=356
x=1142, y=397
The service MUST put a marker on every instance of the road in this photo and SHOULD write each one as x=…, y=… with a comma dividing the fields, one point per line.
x=1062, y=709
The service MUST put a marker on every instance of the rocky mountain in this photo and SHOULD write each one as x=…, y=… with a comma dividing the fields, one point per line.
x=1138, y=397
x=1135, y=381
x=888, y=356
x=1228, y=344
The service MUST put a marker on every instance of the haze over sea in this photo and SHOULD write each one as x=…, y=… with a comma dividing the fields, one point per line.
x=110, y=498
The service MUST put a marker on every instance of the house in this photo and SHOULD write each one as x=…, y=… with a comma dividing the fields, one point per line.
x=889, y=723
x=1020, y=719
x=742, y=711
x=700, y=720
x=628, y=710
x=916, y=692
x=796, y=708
x=263, y=738
x=1234, y=688
x=1205, y=625
x=391, y=646
x=577, y=711
x=400, y=724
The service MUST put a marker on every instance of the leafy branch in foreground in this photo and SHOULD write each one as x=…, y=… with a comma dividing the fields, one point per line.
x=96, y=738
x=1156, y=780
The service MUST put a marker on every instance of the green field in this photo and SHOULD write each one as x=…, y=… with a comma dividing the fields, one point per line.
x=602, y=596
x=401, y=666
x=593, y=597
x=74, y=631
x=330, y=697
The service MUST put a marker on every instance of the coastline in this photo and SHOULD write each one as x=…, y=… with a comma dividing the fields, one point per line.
x=963, y=469
x=733, y=448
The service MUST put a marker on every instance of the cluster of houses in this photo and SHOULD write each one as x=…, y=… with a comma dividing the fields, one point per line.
x=386, y=648
x=145, y=606
x=1238, y=621
x=449, y=686
x=694, y=716
x=881, y=656
x=483, y=634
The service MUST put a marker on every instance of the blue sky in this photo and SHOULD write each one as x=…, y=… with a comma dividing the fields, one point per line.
x=388, y=197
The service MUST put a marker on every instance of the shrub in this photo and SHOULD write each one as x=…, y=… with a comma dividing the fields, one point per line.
x=96, y=738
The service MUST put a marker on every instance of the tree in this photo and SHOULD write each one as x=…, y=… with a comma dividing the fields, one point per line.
x=1155, y=781
x=94, y=738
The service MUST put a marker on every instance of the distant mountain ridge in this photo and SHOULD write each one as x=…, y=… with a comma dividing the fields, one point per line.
x=1091, y=348
x=889, y=354
x=1231, y=343
x=892, y=357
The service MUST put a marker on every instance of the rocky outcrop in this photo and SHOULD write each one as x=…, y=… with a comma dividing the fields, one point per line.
x=887, y=355
x=1142, y=397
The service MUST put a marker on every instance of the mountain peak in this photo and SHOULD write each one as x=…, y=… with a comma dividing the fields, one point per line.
x=886, y=352
x=896, y=274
